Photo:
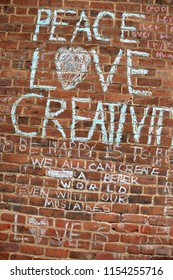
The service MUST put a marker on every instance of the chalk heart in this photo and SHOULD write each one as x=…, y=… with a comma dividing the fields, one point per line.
x=39, y=228
x=71, y=66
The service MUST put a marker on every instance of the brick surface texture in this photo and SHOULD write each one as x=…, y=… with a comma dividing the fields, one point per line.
x=86, y=116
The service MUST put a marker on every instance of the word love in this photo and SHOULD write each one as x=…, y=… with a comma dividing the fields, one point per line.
x=72, y=65
x=110, y=134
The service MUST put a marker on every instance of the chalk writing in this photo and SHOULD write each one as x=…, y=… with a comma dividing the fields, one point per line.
x=4, y=108
x=72, y=65
x=35, y=60
x=109, y=79
x=44, y=162
x=108, y=137
x=125, y=28
x=69, y=232
x=138, y=169
x=32, y=191
x=120, y=178
x=132, y=71
x=6, y=145
x=156, y=9
x=38, y=228
x=164, y=19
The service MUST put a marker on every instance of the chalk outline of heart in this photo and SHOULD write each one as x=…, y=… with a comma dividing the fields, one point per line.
x=72, y=52
x=39, y=229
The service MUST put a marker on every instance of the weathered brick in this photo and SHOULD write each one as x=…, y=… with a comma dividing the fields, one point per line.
x=31, y=250
x=9, y=247
x=56, y=253
x=82, y=255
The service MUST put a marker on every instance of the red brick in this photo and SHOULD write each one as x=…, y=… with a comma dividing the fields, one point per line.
x=11, y=217
x=7, y=188
x=12, y=198
x=3, y=236
x=31, y=250
x=81, y=255
x=19, y=19
x=56, y=213
x=15, y=158
x=79, y=216
x=116, y=247
x=149, y=82
x=20, y=257
x=6, y=2
x=25, y=2
x=125, y=227
x=8, y=247
x=133, y=249
x=25, y=209
x=107, y=256
x=147, y=249
x=53, y=3
x=128, y=7
x=161, y=250
x=4, y=256
x=56, y=253
x=136, y=219
x=82, y=4
x=5, y=227
x=106, y=217
x=94, y=226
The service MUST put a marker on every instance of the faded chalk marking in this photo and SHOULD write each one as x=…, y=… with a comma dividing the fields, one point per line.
x=39, y=228
x=60, y=174
x=15, y=228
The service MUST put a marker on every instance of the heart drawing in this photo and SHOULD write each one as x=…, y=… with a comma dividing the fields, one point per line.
x=38, y=229
x=71, y=66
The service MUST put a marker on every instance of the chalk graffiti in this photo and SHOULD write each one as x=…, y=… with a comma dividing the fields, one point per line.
x=109, y=136
x=71, y=65
x=125, y=28
x=38, y=228
x=132, y=71
x=42, y=163
x=35, y=60
x=109, y=79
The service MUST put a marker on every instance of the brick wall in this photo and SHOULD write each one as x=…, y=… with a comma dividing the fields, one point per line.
x=86, y=114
